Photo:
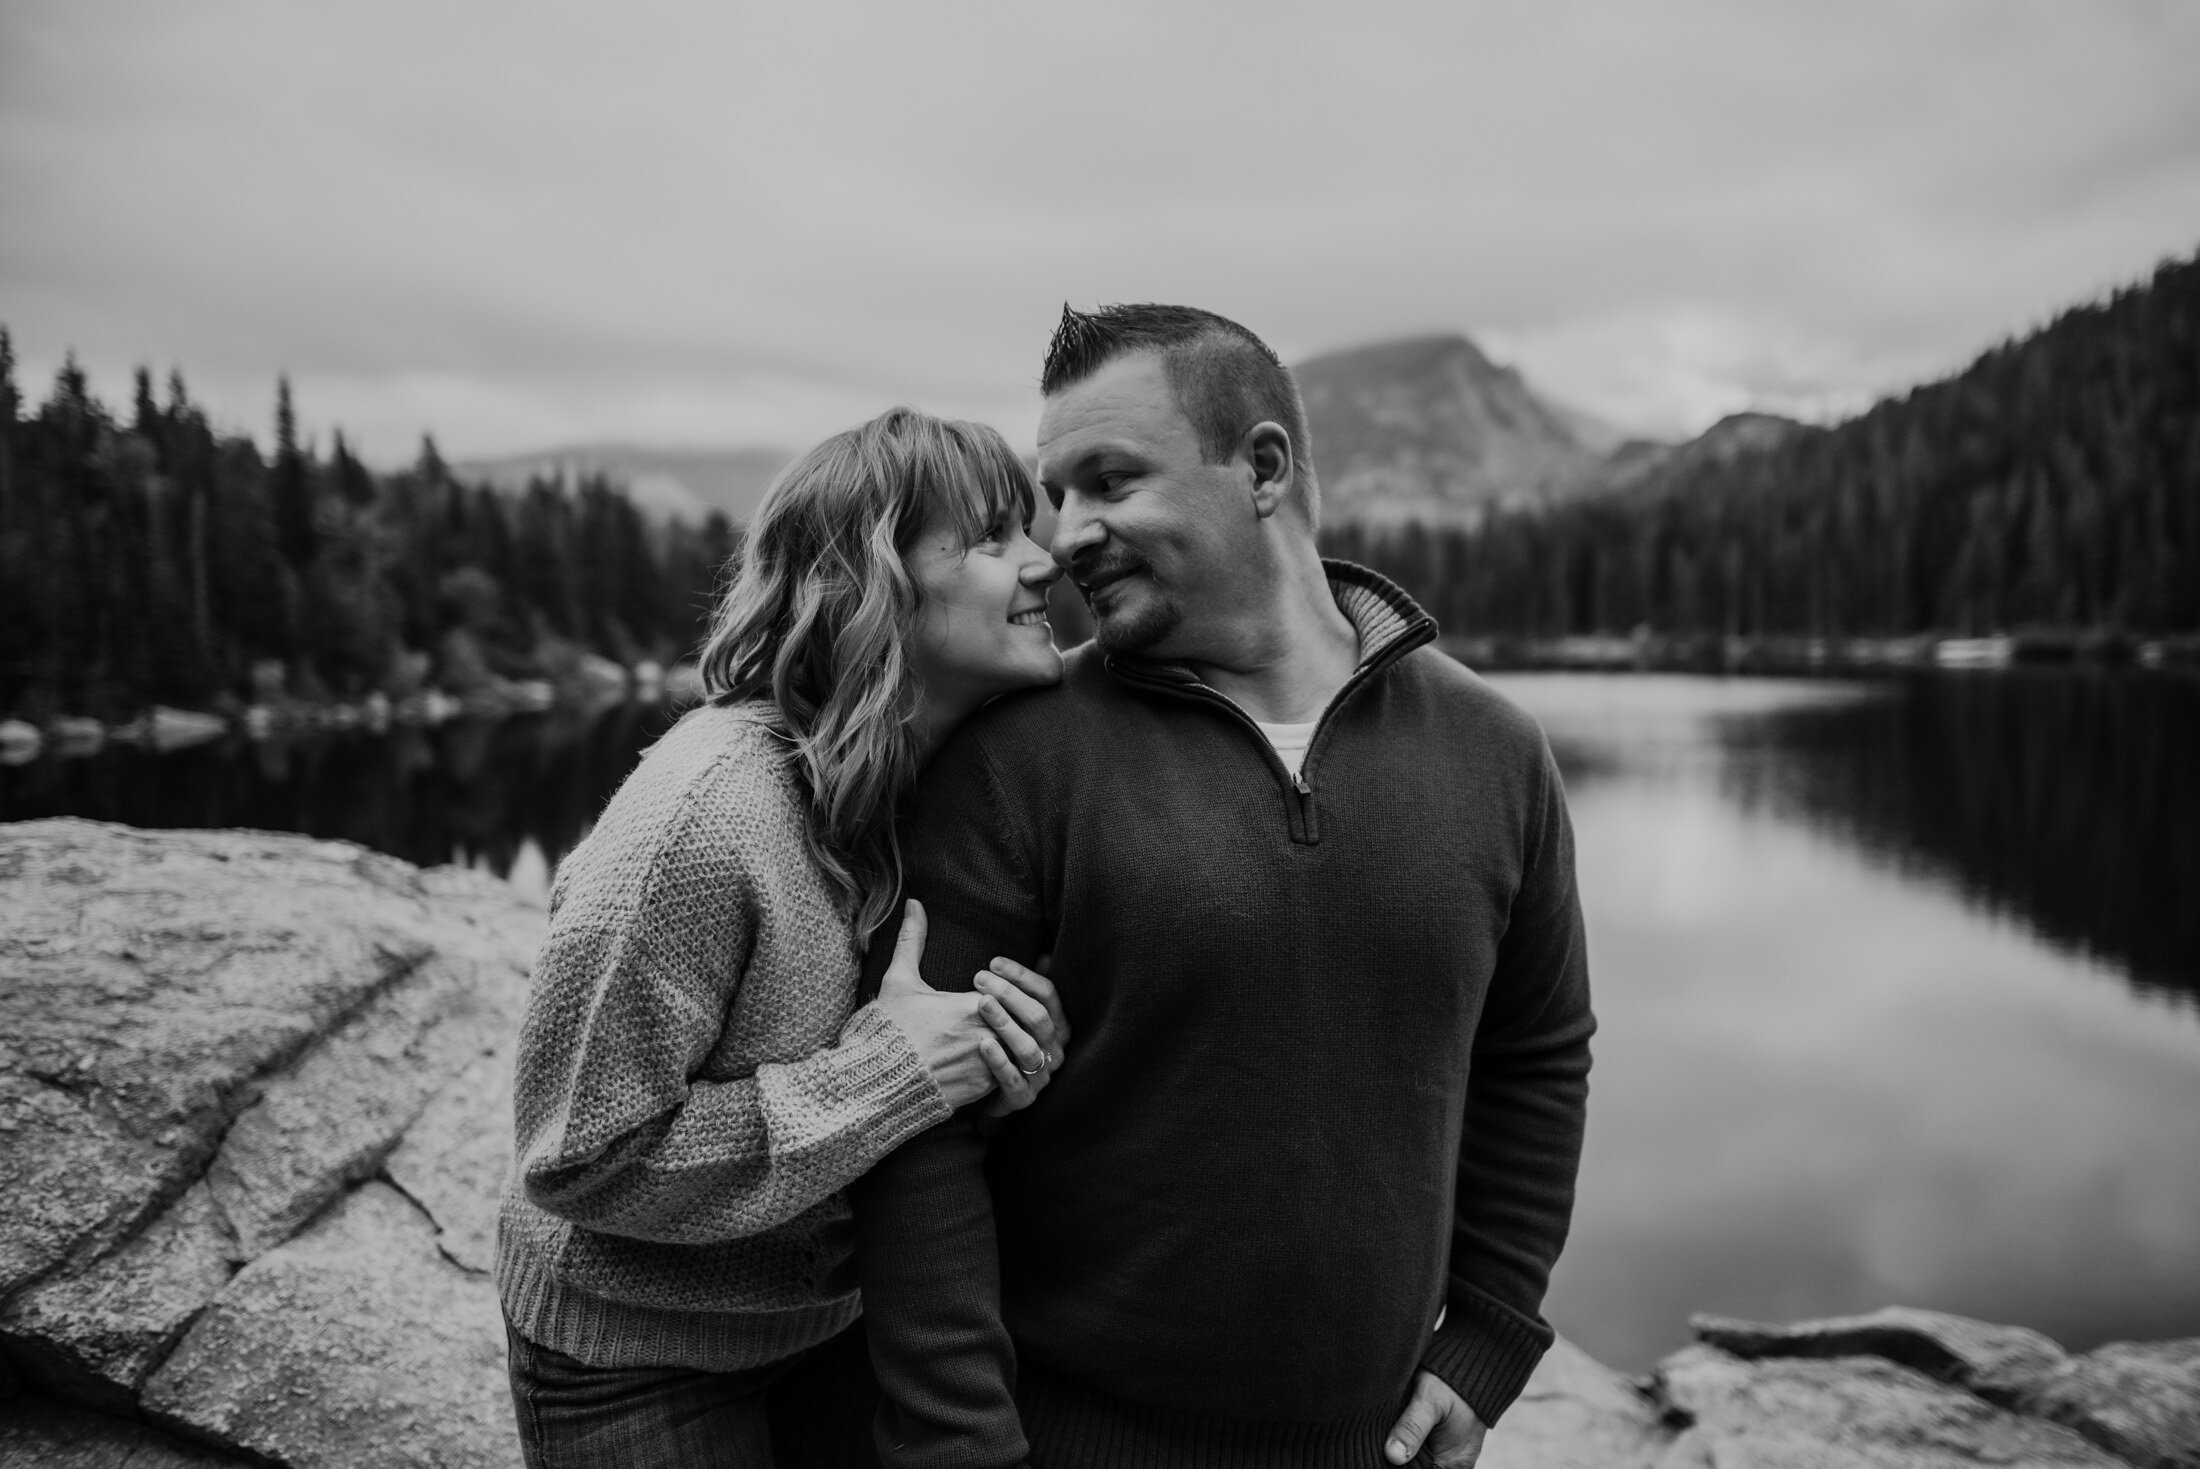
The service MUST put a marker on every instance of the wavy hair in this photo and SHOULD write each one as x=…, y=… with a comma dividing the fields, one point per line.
x=820, y=610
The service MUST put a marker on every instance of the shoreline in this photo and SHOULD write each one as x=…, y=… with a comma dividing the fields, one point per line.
x=165, y=730
x=1646, y=652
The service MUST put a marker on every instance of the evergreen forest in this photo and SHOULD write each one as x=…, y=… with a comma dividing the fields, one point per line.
x=2052, y=485
x=155, y=560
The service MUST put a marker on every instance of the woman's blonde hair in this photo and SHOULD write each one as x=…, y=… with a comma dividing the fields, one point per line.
x=820, y=609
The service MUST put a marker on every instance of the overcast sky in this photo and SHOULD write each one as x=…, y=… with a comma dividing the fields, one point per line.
x=520, y=225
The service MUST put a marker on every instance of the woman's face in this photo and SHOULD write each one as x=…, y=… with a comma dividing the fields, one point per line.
x=982, y=629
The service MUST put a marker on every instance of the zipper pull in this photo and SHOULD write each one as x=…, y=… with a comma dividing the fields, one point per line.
x=1298, y=782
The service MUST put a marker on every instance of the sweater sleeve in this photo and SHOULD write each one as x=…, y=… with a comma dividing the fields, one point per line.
x=925, y=1242
x=617, y=1132
x=1527, y=1096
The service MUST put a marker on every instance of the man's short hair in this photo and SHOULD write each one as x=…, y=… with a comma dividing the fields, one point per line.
x=1225, y=378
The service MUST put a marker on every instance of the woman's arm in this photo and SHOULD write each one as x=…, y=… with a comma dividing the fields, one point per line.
x=652, y=936
x=616, y=1137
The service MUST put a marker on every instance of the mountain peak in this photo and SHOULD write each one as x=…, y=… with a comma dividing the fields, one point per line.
x=1428, y=428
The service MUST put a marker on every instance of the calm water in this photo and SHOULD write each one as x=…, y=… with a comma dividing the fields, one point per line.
x=1899, y=981
x=1897, y=988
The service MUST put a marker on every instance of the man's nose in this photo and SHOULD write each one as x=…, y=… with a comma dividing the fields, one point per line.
x=1075, y=535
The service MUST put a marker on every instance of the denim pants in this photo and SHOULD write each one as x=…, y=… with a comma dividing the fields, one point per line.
x=811, y=1411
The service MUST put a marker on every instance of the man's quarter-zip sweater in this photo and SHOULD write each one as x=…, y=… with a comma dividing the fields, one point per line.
x=1327, y=1076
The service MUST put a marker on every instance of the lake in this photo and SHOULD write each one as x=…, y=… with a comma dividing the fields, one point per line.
x=1899, y=980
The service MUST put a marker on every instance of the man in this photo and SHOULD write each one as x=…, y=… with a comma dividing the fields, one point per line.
x=1308, y=887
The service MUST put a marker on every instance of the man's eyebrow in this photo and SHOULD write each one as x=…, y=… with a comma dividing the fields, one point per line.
x=1087, y=457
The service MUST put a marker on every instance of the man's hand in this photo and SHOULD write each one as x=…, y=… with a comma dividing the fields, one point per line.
x=1442, y=1417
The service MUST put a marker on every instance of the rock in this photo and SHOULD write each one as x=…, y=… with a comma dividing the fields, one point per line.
x=454, y=1159
x=2000, y=1363
x=207, y=1040
x=153, y=985
x=42, y=1435
x=2138, y=1400
x=93, y=1335
x=331, y=1119
x=1575, y=1413
x=354, y=1344
x=1838, y=1412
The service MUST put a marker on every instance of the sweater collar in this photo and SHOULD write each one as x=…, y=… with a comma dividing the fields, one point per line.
x=1390, y=624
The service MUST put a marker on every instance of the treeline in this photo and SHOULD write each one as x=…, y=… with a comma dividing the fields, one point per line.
x=2054, y=484
x=154, y=560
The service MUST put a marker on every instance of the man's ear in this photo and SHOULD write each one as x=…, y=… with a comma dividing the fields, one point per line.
x=1268, y=452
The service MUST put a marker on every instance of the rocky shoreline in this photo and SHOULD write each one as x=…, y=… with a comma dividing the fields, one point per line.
x=589, y=683
x=254, y=1112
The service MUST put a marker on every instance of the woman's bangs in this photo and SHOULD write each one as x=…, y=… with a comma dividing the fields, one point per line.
x=984, y=485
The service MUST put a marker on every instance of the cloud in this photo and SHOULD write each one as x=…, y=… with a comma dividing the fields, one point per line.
x=732, y=222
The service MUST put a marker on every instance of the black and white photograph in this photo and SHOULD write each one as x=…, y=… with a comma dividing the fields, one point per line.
x=1020, y=735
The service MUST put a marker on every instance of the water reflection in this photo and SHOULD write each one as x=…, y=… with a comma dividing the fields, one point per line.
x=1824, y=1084
x=510, y=796
x=2070, y=800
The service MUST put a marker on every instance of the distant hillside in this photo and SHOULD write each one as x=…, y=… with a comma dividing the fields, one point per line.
x=2052, y=485
x=1430, y=430
x=1650, y=466
x=666, y=484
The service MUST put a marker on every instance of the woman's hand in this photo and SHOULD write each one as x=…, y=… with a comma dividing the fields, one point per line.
x=969, y=1042
x=1029, y=996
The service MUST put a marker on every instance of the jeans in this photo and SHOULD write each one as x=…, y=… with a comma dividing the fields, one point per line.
x=811, y=1411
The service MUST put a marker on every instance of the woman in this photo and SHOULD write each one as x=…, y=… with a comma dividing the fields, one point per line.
x=696, y=1083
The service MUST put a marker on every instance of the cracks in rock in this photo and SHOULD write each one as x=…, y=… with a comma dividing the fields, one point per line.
x=193, y=1161
x=385, y=1176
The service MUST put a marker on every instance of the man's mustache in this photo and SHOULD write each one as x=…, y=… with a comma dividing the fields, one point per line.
x=1099, y=567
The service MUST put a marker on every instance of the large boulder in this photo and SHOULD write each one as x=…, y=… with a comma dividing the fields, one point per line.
x=1576, y=1413
x=1895, y=1389
x=1846, y=1413
x=2138, y=1401
x=254, y=1114
x=1999, y=1363
x=357, y=1343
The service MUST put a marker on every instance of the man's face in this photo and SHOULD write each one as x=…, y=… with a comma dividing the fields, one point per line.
x=1151, y=532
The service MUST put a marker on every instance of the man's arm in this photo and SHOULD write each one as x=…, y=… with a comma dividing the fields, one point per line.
x=1527, y=1096
x=924, y=1221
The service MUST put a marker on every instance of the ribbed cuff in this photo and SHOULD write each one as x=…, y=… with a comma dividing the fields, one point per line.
x=1485, y=1352
x=878, y=1064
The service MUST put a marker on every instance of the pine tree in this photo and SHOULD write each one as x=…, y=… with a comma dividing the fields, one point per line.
x=293, y=485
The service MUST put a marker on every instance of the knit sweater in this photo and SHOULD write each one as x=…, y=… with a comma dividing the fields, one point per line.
x=695, y=1084
x=1328, y=1077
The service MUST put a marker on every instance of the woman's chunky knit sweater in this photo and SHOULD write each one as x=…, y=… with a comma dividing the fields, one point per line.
x=695, y=1083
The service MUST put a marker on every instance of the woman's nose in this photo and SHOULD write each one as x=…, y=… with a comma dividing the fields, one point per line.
x=1038, y=569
